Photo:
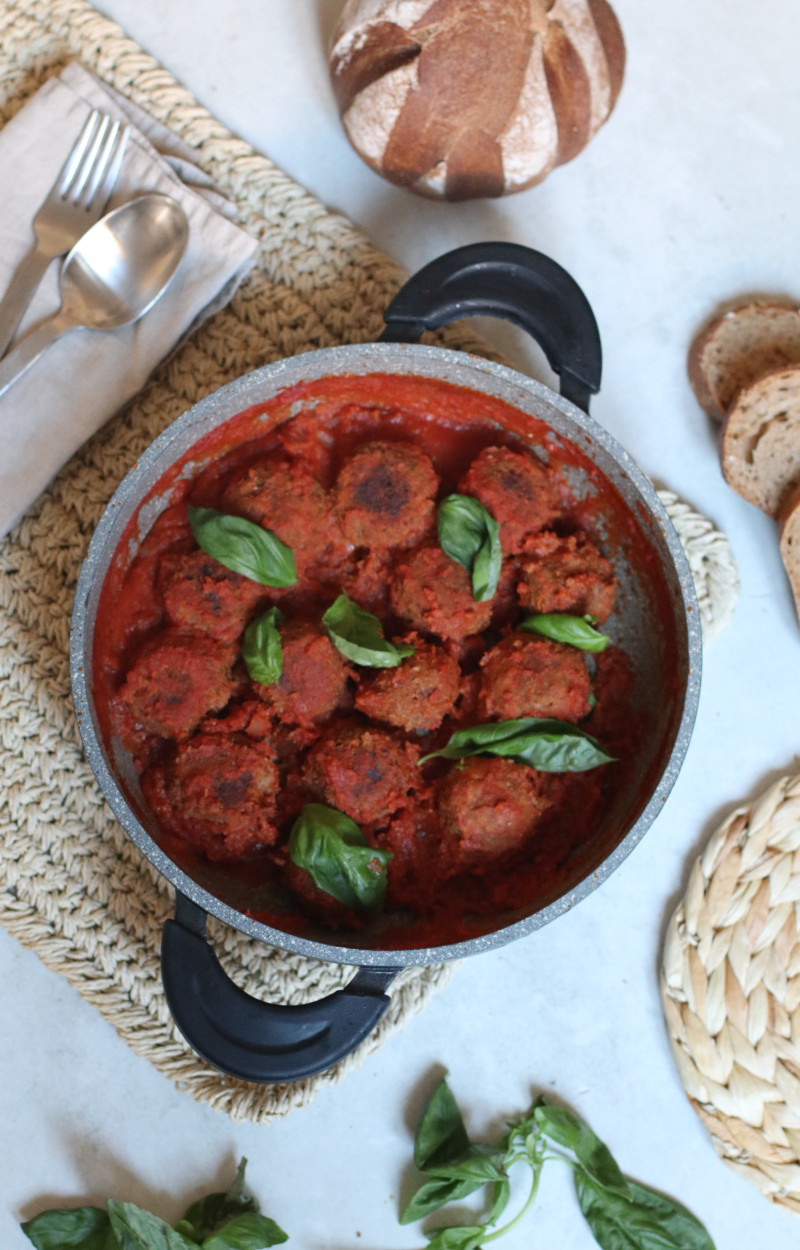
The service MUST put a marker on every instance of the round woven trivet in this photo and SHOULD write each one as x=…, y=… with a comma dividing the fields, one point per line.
x=731, y=991
x=714, y=569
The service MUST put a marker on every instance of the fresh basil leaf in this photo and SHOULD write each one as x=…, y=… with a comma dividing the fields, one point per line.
x=462, y=1237
x=500, y=1198
x=136, y=1229
x=208, y=1214
x=568, y=1129
x=249, y=1231
x=359, y=636
x=441, y=1136
x=551, y=746
x=578, y=631
x=79, y=1228
x=436, y=1193
x=645, y=1221
x=261, y=648
x=469, y=534
x=478, y=1165
x=333, y=850
x=243, y=546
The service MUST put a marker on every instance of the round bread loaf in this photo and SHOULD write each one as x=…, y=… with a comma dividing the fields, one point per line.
x=789, y=532
x=457, y=99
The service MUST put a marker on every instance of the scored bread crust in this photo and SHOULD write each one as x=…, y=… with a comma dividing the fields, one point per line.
x=760, y=447
x=740, y=345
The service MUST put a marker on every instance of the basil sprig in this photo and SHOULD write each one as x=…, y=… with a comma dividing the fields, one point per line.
x=243, y=546
x=469, y=534
x=220, y=1221
x=622, y=1214
x=551, y=746
x=578, y=631
x=261, y=648
x=334, y=852
x=359, y=636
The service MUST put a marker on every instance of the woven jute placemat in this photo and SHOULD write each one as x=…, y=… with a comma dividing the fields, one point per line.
x=72, y=887
x=731, y=990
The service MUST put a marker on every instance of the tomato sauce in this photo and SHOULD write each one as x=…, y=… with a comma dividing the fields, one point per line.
x=227, y=764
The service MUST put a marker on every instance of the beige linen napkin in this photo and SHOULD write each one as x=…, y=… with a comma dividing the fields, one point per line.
x=86, y=376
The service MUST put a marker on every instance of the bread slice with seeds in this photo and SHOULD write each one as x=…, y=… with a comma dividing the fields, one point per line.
x=738, y=346
x=760, y=447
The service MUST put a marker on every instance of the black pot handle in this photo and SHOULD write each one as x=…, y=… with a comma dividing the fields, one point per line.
x=250, y=1039
x=516, y=283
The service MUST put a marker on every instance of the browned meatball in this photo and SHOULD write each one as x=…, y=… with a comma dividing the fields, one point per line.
x=362, y=772
x=283, y=496
x=175, y=680
x=384, y=495
x=418, y=694
x=488, y=807
x=566, y=575
x=434, y=593
x=528, y=676
x=200, y=594
x=515, y=489
x=217, y=793
x=313, y=681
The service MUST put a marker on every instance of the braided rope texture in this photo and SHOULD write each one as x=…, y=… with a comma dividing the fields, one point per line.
x=714, y=569
x=731, y=991
x=72, y=886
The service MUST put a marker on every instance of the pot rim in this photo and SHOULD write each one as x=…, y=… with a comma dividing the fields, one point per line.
x=259, y=386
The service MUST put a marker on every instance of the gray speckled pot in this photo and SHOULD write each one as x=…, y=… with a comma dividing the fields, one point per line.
x=632, y=623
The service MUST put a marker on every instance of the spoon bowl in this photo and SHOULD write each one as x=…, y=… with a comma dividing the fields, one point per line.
x=124, y=263
x=112, y=277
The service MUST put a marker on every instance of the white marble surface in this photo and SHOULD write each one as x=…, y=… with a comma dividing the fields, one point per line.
x=687, y=197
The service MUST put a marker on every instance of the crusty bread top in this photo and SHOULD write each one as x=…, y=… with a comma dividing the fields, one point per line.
x=789, y=527
x=761, y=440
x=740, y=345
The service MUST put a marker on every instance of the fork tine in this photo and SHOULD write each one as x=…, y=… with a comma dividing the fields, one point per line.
x=78, y=149
x=87, y=164
x=106, y=167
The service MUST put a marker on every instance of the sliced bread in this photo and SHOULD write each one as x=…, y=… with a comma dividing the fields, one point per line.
x=789, y=529
x=760, y=447
x=740, y=345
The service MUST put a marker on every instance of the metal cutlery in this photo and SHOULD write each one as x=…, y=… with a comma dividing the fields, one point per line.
x=113, y=275
x=75, y=202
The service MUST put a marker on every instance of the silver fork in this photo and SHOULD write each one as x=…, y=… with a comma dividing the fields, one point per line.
x=75, y=202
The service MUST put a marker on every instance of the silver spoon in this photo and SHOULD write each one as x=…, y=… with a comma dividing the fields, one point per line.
x=112, y=276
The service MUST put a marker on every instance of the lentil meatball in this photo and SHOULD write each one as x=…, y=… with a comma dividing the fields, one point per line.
x=362, y=772
x=415, y=695
x=175, y=680
x=566, y=575
x=515, y=489
x=434, y=593
x=199, y=593
x=384, y=495
x=282, y=495
x=217, y=793
x=528, y=676
x=488, y=807
x=313, y=680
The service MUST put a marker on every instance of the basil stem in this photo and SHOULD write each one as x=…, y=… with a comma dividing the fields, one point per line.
x=577, y=631
x=334, y=852
x=359, y=636
x=243, y=546
x=552, y=746
x=261, y=648
x=469, y=534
